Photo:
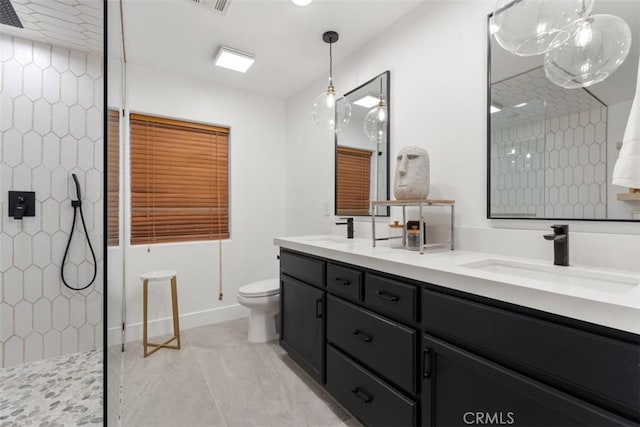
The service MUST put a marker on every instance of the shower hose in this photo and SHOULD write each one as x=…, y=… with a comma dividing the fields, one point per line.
x=77, y=206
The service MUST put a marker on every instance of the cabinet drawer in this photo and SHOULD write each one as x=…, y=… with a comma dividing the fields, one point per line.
x=391, y=296
x=367, y=397
x=307, y=269
x=592, y=366
x=384, y=346
x=344, y=281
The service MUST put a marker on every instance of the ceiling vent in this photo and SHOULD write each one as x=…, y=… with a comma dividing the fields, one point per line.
x=220, y=6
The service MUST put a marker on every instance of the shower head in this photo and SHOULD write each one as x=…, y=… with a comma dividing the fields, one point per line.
x=8, y=15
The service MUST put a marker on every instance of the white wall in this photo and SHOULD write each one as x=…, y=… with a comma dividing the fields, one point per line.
x=257, y=166
x=437, y=57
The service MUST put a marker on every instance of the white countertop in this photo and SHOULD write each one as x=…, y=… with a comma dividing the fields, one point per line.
x=616, y=305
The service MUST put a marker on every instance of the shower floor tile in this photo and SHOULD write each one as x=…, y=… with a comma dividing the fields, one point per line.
x=62, y=391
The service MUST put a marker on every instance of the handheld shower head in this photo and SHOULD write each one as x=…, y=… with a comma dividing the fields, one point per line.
x=75, y=179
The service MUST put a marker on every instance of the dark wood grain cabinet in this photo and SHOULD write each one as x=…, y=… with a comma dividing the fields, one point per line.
x=302, y=312
x=396, y=352
x=460, y=389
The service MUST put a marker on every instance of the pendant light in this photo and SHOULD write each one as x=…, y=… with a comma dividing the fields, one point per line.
x=598, y=46
x=331, y=110
x=534, y=27
x=375, y=122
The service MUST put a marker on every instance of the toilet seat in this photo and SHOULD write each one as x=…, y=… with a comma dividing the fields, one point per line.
x=262, y=288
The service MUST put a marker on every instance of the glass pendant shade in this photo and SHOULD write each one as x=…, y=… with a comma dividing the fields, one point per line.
x=598, y=46
x=375, y=123
x=534, y=27
x=331, y=111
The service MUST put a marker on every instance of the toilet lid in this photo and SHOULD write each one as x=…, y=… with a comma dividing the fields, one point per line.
x=262, y=288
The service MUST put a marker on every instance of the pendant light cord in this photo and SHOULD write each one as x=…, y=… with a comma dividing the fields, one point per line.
x=330, y=63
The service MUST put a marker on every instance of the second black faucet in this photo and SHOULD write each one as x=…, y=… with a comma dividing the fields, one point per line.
x=349, y=225
x=560, y=238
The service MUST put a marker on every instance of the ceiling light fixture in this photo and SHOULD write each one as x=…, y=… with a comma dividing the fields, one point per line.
x=367, y=101
x=234, y=59
x=301, y=2
x=331, y=110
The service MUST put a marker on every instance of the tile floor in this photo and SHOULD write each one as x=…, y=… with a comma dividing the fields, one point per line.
x=62, y=391
x=220, y=379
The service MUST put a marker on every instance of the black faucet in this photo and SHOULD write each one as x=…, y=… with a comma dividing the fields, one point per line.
x=349, y=225
x=560, y=239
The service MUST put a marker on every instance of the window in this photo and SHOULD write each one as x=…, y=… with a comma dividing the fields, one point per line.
x=354, y=186
x=113, y=178
x=179, y=181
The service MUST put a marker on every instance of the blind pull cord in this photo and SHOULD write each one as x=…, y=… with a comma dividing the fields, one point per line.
x=77, y=206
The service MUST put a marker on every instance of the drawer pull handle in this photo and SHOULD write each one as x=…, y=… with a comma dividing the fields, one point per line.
x=319, y=308
x=364, y=337
x=426, y=363
x=345, y=282
x=365, y=397
x=386, y=296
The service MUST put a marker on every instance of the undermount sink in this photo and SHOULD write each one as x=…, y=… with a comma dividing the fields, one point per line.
x=329, y=239
x=576, y=276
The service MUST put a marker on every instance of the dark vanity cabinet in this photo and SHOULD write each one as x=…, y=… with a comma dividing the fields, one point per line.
x=396, y=352
x=302, y=311
x=460, y=388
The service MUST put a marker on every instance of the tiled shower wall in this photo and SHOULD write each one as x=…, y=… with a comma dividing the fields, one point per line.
x=564, y=175
x=51, y=106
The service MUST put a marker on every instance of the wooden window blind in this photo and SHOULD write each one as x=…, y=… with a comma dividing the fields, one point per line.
x=179, y=181
x=113, y=178
x=353, y=181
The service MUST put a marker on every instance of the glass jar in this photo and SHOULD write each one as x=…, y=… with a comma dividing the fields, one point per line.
x=413, y=239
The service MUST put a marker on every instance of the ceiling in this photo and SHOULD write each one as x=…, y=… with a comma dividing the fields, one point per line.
x=75, y=24
x=180, y=37
x=543, y=100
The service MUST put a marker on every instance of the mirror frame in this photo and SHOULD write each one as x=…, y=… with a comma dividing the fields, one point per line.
x=488, y=160
x=387, y=211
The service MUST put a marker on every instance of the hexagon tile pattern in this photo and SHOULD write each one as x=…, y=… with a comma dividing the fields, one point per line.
x=51, y=125
x=554, y=168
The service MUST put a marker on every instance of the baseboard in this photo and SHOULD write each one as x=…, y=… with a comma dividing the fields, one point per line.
x=164, y=326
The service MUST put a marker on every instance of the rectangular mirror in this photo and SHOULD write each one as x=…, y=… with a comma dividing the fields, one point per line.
x=551, y=151
x=362, y=164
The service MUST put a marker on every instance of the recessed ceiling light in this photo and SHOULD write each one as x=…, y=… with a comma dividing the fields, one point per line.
x=494, y=109
x=367, y=101
x=301, y=2
x=520, y=105
x=234, y=59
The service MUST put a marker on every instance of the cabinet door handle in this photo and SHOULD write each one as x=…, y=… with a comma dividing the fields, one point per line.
x=319, y=308
x=386, y=296
x=345, y=282
x=362, y=395
x=426, y=363
x=364, y=337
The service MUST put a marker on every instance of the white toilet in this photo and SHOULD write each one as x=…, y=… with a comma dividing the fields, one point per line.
x=263, y=299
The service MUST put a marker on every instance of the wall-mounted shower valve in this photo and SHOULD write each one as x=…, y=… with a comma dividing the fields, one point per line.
x=22, y=203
